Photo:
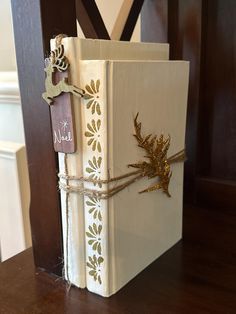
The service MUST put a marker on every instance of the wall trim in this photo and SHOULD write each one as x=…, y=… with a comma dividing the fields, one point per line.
x=15, y=233
x=9, y=88
x=8, y=150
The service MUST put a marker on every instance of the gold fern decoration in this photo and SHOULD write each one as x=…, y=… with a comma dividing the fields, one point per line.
x=156, y=149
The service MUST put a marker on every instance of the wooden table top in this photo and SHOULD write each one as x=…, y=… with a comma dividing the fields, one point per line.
x=198, y=275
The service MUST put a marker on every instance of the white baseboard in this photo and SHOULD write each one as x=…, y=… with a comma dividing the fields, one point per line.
x=14, y=201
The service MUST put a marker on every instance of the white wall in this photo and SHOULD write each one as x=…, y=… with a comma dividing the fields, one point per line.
x=14, y=184
x=7, y=50
x=11, y=122
x=14, y=203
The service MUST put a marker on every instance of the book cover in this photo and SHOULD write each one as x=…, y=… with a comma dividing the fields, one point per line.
x=72, y=205
x=128, y=231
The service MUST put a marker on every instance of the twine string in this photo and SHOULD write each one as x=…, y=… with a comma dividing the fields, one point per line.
x=58, y=39
x=102, y=194
x=82, y=179
x=180, y=156
x=107, y=193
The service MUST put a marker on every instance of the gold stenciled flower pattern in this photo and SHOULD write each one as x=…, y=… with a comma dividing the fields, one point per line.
x=94, y=240
x=93, y=134
x=94, y=235
x=94, y=169
x=94, y=230
x=94, y=263
x=92, y=95
x=95, y=207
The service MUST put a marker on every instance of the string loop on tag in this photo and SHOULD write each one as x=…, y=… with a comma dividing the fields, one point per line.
x=58, y=39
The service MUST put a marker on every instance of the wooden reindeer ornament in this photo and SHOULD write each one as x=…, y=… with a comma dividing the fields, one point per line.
x=58, y=62
x=58, y=96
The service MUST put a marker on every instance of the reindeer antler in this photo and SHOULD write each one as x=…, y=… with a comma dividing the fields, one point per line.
x=58, y=59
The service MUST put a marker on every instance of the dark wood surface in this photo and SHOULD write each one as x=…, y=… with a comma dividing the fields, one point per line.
x=216, y=192
x=217, y=109
x=93, y=26
x=32, y=35
x=218, y=105
x=131, y=20
x=90, y=19
x=203, y=32
x=154, y=21
x=198, y=275
x=179, y=22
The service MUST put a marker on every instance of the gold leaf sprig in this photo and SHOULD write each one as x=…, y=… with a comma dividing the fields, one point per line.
x=156, y=149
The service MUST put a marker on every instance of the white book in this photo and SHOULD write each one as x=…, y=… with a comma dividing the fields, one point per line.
x=127, y=232
x=77, y=49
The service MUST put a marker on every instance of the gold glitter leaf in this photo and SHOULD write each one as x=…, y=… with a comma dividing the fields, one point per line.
x=156, y=151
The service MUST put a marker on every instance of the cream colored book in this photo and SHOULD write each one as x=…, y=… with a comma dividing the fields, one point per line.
x=128, y=231
x=77, y=49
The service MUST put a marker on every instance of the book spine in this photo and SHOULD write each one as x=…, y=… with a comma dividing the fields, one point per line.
x=72, y=203
x=95, y=167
